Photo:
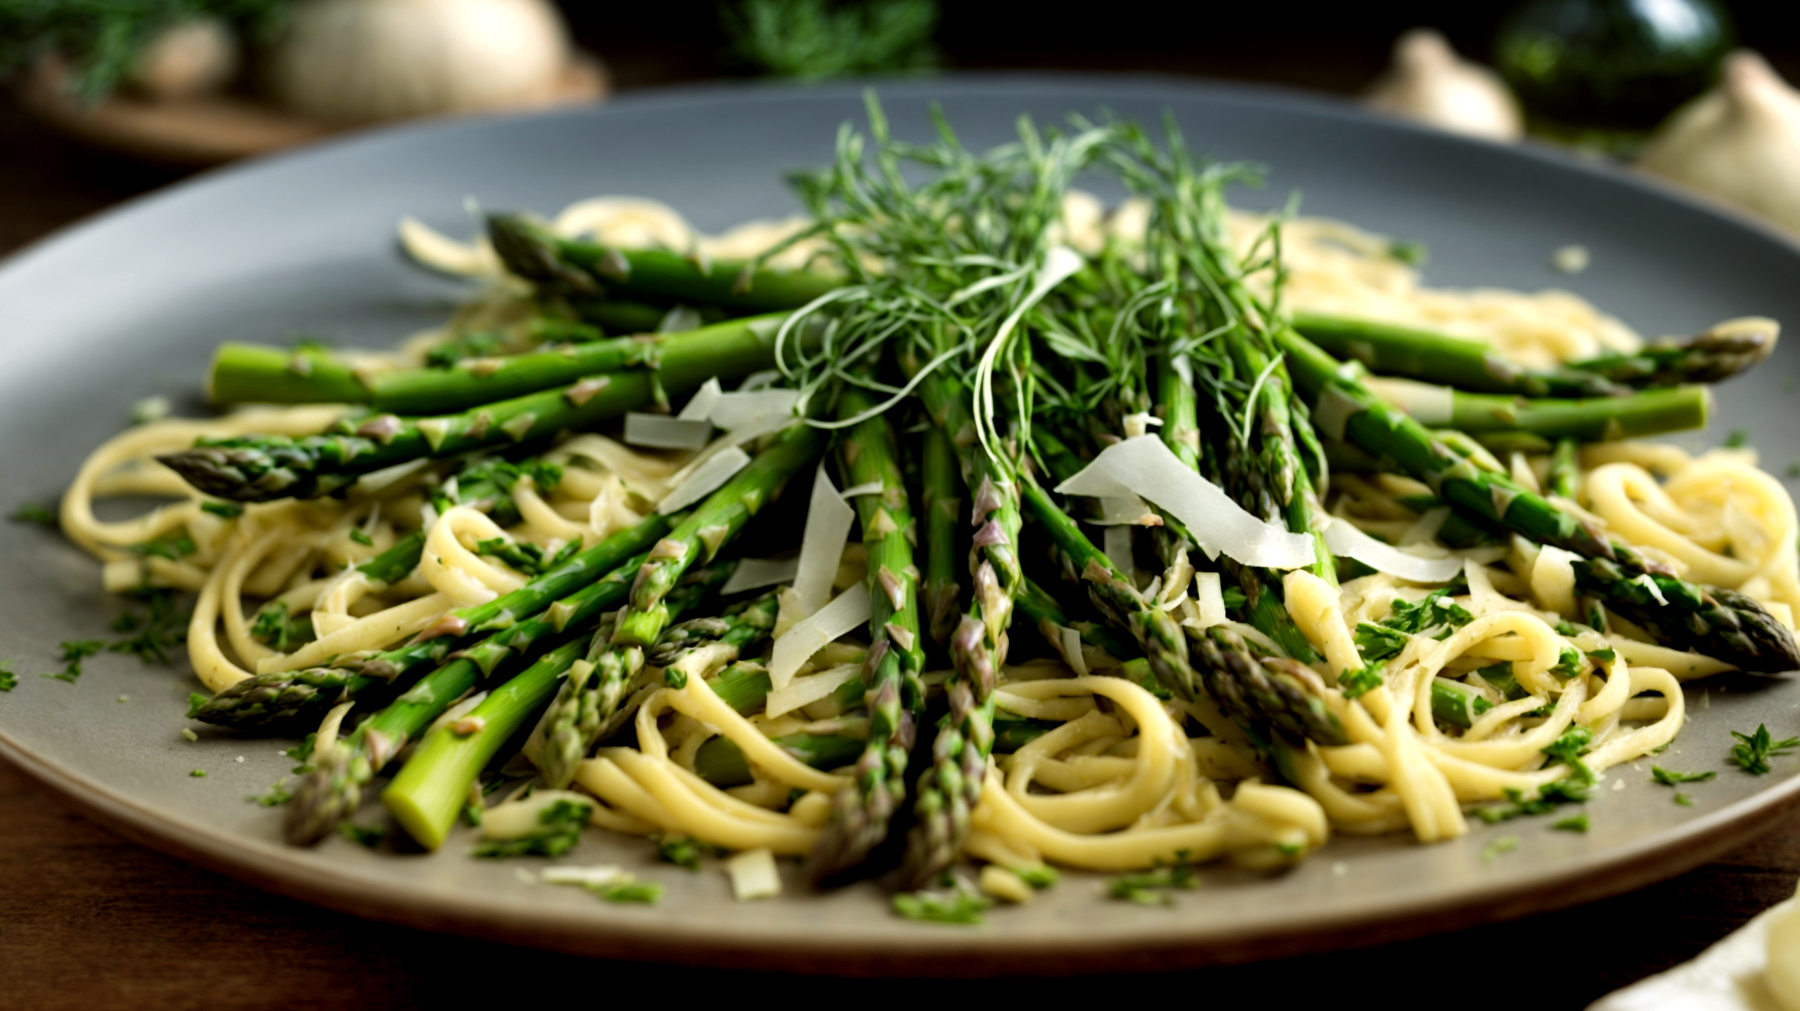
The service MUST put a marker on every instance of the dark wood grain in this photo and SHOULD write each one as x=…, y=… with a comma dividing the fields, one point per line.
x=90, y=920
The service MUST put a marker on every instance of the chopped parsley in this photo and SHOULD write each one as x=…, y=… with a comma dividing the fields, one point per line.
x=629, y=889
x=277, y=795
x=1360, y=681
x=1753, y=751
x=1563, y=791
x=1738, y=439
x=526, y=557
x=278, y=630
x=223, y=510
x=361, y=538
x=942, y=907
x=1411, y=253
x=560, y=829
x=198, y=773
x=1568, y=663
x=1669, y=778
x=158, y=630
x=8, y=680
x=1683, y=799
x=1578, y=823
x=1435, y=615
x=173, y=546
x=684, y=851
x=301, y=752
x=72, y=652
x=1500, y=847
x=367, y=836
x=1155, y=887
x=1607, y=655
x=1568, y=749
x=33, y=513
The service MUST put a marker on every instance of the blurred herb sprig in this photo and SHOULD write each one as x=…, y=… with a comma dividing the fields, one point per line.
x=100, y=39
x=816, y=39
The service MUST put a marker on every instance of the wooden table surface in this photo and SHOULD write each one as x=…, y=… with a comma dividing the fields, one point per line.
x=88, y=919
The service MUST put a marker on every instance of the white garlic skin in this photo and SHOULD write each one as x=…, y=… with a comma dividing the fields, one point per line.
x=359, y=61
x=1739, y=142
x=1428, y=83
x=185, y=59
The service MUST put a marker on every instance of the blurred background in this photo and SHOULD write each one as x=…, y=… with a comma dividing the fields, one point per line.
x=101, y=99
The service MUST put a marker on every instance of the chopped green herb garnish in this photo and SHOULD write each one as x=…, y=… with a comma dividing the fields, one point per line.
x=1670, y=778
x=683, y=851
x=161, y=629
x=361, y=538
x=8, y=680
x=1683, y=799
x=173, y=546
x=629, y=889
x=1378, y=643
x=31, y=512
x=195, y=701
x=72, y=652
x=1357, y=682
x=1738, y=439
x=1578, y=823
x=1568, y=749
x=1568, y=663
x=367, y=836
x=225, y=510
x=940, y=907
x=1500, y=847
x=1038, y=876
x=1413, y=254
x=279, y=631
x=1753, y=751
x=1563, y=791
x=198, y=773
x=1153, y=887
x=561, y=823
x=526, y=557
x=1435, y=615
x=815, y=39
x=1607, y=655
x=278, y=795
x=300, y=752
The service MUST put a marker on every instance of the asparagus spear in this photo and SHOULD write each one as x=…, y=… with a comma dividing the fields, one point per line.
x=1565, y=470
x=1714, y=354
x=282, y=699
x=584, y=268
x=1720, y=623
x=722, y=763
x=862, y=812
x=1248, y=687
x=431, y=788
x=680, y=362
x=1391, y=349
x=258, y=468
x=943, y=504
x=1632, y=416
x=588, y=705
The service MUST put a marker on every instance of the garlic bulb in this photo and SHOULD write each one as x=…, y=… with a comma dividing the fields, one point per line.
x=185, y=59
x=1740, y=141
x=358, y=61
x=1430, y=84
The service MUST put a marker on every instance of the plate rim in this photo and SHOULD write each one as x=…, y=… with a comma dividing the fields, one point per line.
x=933, y=951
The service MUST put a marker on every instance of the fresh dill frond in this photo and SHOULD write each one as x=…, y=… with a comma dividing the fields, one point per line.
x=818, y=39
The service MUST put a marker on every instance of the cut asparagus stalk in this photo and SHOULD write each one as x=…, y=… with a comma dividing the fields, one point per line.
x=285, y=699
x=584, y=268
x=1720, y=623
x=1392, y=349
x=1714, y=354
x=251, y=373
x=1652, y=412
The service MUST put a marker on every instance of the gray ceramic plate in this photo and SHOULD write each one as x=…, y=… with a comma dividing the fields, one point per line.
x=131, y=304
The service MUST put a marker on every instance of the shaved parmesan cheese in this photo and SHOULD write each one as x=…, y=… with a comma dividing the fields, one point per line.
x=808, y=636
x=602, y=874
x=1425, y=529
x=753, y=875
x=1124, y=510
x=807, y=690
x=866, y=488
x=1342, y=537
x=753, y=573
x=760, y=407
x=1210, y=595
x=659, y=431
x=706, y=479
x=700, y=405
x=1117, y=544
x=1553, y=580
x=1145, y=467
x=1428, y=404
x=1068, y=643
x=438, y=251
x=828, y=521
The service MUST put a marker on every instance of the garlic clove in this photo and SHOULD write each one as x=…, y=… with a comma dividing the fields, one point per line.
x=1739, y=142
x=1428, y=83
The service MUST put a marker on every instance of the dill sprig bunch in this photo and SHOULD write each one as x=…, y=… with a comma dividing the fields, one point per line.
x=101, y=38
